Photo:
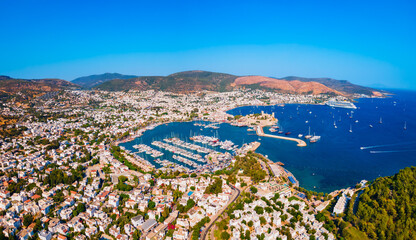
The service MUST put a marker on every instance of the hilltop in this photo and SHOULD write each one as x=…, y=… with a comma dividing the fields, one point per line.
x=30, y=88
x=343, y=86
x=94, y=80
x=191, y=81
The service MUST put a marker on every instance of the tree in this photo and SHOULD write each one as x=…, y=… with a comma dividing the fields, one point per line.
x=215, y=187
x=259, y=210
x=151, y=205
x=262, y=220
x=225, y=235
x=253, y=189
x=386, y=209
x=165, y=212
x=27, y=219
x=122, y=178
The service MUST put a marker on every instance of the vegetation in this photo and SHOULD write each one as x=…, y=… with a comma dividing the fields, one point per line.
x=58, y=176
x=189, y=204
x=250, y=166
x=197, y=228
x=177, y=82
x=215, y=187
x=27, y=219
x=122, y=185
x=387, y=208
x=11, y=131
x=118, y=154
x=16, y=187
x=79, y=209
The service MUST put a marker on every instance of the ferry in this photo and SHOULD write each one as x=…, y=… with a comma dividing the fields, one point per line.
x=341, y=104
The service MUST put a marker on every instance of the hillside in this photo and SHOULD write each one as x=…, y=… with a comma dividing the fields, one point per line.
x=94, y=80
x=342, y=86
x=387, y=208
x=284, y=85
x=191, y=81
x=30, y=88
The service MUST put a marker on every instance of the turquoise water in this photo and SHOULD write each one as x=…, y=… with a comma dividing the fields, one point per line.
x=336, y=161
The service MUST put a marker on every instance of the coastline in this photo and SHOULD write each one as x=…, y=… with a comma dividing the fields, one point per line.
x=214, y=118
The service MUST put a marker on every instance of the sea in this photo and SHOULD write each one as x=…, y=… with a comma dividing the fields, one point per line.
x=350, y=150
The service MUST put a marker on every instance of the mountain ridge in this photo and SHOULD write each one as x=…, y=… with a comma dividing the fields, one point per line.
x=197, y=80
x=96, y=79
x=30, y=88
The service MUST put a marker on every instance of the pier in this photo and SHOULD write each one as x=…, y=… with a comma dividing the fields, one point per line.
x=260, y=132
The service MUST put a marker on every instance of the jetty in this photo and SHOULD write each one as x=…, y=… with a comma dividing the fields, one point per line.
x=260, y=132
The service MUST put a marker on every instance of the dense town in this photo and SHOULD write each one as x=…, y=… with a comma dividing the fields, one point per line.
x=64, y=175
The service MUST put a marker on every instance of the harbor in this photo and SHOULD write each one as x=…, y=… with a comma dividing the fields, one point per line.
x=317, y=166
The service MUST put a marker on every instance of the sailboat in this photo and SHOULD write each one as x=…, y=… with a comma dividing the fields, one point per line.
x=309, y=135
x=335, y=126
x=350, y=128
x=405, y=127
x=381, y=120
x=315, y=138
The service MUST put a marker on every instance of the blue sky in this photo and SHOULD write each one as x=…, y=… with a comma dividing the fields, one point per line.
x=365, y=42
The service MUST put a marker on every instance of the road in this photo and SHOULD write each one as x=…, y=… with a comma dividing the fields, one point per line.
x=207, y=229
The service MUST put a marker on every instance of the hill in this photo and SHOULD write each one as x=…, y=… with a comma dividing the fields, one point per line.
x=342, y=86
x=30, y=88
x=387, y=208
x=285, y=86
x=93, y=80
x=191, y=81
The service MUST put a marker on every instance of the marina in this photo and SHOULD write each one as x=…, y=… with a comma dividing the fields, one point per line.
x=177, y=150
x=187, y=145
x=148, y=150
x=333, y=171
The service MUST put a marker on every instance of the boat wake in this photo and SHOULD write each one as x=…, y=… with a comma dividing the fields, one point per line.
x=386, y=145
x=393, y=151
